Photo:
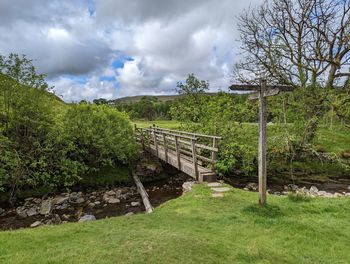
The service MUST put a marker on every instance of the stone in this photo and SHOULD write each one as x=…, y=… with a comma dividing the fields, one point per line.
x=135, y=204
x=349, y=187
x=347, y=194
x=214, y=184
x=187, y=186
x=277, y=193
x=65, y=217
x=21, y=212
x=252, y=186
x=129, y=214
x=92, y=205
x=60, y=200
x=32, y=211
x=36, y=224
x=2, y=211
x=293, y=187
x=313, y=189
x=87, y=218
x=217, y=195
x=111, y=193
x=221, y=189
x=97, y=202
x=113, y=200
x=46, y=207
x=80, y=200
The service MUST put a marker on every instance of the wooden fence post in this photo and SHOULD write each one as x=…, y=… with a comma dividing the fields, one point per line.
x=165, y=148
x=214, y=154
x=155, y=142
x=194, y=158
x=177, y=148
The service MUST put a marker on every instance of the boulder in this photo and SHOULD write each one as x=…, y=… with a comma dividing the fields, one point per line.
x=87, y=218
x=32, y=211
x=292, y=187
x=113, y=200
x=110, y=193
x=21, y=212
x=46, y=207
x=313, y=189
x=36, y=224
x=60, y=200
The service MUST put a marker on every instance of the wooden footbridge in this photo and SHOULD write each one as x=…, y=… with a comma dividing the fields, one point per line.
x=191, y=153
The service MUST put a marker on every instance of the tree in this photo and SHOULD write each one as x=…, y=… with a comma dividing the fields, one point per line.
x=190, y=106
x=296, y=42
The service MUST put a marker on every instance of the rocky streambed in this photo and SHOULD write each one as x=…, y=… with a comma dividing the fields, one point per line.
x=88, y=205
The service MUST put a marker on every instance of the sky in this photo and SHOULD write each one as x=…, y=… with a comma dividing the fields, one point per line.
x=114, y=48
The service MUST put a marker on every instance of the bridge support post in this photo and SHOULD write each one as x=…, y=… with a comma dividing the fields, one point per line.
x=177, y=148
x=194, y=158
x=165, y=148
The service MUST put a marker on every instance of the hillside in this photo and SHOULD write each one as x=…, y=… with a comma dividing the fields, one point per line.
x=162, y=98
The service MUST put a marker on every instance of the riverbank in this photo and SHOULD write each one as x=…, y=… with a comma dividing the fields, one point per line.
x=196, y=228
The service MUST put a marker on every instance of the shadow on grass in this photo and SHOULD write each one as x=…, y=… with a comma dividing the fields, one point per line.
x=268, y=211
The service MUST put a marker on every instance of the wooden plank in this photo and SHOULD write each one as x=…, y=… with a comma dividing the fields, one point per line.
x=253, y=87
x=262, y=144
x=268, y=93
x=214, y=153
x=165, y=148
x=143, y=193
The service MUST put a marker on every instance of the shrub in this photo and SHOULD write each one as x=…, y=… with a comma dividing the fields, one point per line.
x=100, y=135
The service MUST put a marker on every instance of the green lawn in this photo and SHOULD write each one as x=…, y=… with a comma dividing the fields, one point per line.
x=197, y=228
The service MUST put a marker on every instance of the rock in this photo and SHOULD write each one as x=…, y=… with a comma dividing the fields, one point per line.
x=214, y=184
x=246, y=189
x=32, y=211
x=97, y=202
x=56, y=219
x=321, y=193
x=110, y=193
x=80, y=200
x=65, y=217
x=92, y=205
x=113, y=200
x=313, y=189
x=37, y=200
x=87, y=218
x=2, y=211
x=277, y=193
x=187, y=186
x=21, y=212
x=92, y=197
x=252, y=186
x=349, y=187
x=293, y=187
x=46, y=207
x=36, y=224
x=221, y=189
x=337, y=194
x=347, y=194
x=129, y=214
x=135, y=204
x=60, y=200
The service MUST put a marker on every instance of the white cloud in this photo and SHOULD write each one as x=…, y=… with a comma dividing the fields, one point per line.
x=167, y=39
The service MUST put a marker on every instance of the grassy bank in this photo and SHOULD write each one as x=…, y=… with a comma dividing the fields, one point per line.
x=196, y=228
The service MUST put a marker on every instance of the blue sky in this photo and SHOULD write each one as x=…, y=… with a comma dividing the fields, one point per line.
x=114, y=48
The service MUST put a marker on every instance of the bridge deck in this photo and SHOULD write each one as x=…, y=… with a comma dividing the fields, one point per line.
x=182, y=150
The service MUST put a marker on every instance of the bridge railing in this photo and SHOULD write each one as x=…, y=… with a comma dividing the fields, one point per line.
x=199, y=149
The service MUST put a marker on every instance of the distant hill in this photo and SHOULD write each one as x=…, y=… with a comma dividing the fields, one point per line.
x=133, y=99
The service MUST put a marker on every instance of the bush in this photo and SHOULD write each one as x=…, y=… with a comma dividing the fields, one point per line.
x=100, y=135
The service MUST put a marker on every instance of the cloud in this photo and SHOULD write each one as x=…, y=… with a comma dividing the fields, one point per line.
x=120, y=47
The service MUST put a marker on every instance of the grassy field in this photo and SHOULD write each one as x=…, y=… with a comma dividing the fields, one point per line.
x=197, y=228
x=170, y=124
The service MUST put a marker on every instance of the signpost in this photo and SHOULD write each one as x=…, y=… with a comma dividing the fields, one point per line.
x=262, y=91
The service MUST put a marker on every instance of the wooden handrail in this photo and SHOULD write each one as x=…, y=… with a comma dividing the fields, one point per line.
x=187, y=133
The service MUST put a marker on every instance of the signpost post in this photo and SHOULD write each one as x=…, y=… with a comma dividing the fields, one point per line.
x=262, y=91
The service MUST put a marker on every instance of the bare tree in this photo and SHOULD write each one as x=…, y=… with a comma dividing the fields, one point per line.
x=296, y=42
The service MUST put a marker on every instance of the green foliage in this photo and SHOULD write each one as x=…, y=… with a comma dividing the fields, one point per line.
x=100, y=134
x=149, y=108
x=45, y=143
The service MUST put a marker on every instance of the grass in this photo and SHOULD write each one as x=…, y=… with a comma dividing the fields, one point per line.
x=196, y=228
x=169, y=124
x=108, y=176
